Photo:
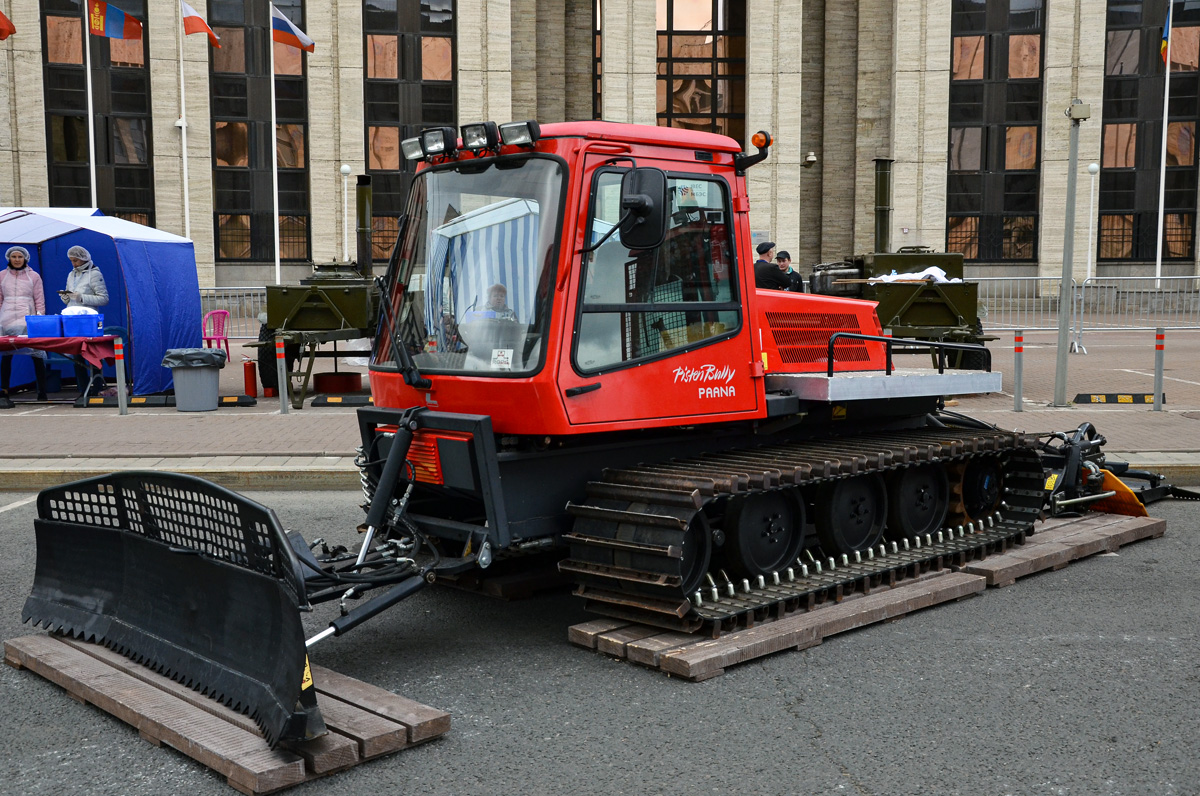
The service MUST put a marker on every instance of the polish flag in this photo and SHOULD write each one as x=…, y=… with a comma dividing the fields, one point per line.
x=284, y=32
x=194, y=23
x=6, y=27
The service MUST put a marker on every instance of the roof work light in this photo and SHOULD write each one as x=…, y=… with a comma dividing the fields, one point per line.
x=520, y=133
x=411, y=147
x=439, y=141
x=480, y=136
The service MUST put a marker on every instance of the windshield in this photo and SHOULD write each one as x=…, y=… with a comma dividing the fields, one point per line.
x=472, y=285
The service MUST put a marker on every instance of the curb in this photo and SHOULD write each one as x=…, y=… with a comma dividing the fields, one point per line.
x=32, y=480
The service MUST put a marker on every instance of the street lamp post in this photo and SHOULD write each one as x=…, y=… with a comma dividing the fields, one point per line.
x=1077, y=112
x=345, y=170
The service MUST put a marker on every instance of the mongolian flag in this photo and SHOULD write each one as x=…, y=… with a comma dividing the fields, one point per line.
x=194, y=23
x=284, y=32
x=6, y=27
x=105, y=19
x=1166, y=39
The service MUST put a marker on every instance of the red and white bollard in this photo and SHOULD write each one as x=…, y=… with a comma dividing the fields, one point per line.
x=284, y=381
x=119, y=356
x=1160, y=345
x=1018, y=361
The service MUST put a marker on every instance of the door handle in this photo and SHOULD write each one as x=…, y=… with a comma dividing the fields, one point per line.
x=580, y=390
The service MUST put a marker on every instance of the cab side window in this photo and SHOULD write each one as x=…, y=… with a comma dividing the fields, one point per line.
x=642, y=303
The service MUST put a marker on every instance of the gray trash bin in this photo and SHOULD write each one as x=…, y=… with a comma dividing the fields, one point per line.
x=197, y=373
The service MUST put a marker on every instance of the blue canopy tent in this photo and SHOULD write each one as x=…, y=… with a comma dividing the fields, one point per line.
x=153, y=291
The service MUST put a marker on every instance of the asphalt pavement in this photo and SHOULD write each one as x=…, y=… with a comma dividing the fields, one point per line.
x=1081, y=681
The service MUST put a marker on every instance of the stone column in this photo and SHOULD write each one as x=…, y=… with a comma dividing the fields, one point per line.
x=837, y=164
x=920, y=123
x=164, y=27
x=1074, y=45
x=485, y=90
x=24, y=176
x=809, y=249
x=577, y=56
x=629, y=58
x=527, y=64
x=773, y=103
x=335, y=117
x=872, y=139
x=552, y=56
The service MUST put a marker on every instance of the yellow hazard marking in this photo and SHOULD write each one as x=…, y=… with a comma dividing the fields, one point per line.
x=137, y=400
x=228, y=399
x=1149, y=399
x=334, y=399
x=306, y=683
x=764, y=356
x=1051, y=481
x=839, y=413
x=1099, y=399
x=95, y=400
x=1124, y=399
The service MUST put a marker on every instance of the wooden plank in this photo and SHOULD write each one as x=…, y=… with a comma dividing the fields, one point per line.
x=647, y=651
x=1003, y=570
x=163, y=683
x=614, y=642
x=330, y=752
x=1139, y=528
x=374, y=734
x=585, y=633
x=422, y=722
x=799, y=631
x=243, y=758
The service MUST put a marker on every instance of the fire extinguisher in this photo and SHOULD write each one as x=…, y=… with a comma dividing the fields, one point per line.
x=250, y=376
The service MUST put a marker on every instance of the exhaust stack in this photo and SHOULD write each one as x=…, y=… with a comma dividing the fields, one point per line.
x=883, y=204
x=363, y=197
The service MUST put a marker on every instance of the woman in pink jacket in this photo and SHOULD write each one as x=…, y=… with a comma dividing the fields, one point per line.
x=20, y=295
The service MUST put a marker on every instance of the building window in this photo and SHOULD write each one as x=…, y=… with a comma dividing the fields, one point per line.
x=121, y=104
x=410, y=79
x=1132, y=136
x=702, y=66
x=239, y=89
x=995, y=130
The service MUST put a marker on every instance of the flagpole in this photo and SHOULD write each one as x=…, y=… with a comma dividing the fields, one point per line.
x=91, y=116
x=1162, y=166
x=274, y=159
x=182, y=125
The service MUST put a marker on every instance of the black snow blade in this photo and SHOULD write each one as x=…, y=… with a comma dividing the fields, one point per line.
x=186, y=577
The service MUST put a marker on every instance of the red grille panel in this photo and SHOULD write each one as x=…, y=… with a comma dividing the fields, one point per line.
x=423, y=454
x=803, y=337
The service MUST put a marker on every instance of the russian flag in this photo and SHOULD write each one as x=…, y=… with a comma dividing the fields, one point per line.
x=194, y=23
x=111, y=22
x=284, y=32
x=6, y=27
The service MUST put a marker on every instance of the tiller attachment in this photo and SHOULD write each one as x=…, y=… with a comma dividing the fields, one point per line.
x=186, y=577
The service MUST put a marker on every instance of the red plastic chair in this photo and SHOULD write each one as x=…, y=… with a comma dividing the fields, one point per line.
x=214, y=330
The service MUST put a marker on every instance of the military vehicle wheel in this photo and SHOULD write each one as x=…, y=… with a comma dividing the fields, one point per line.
x=977, y=489
x=266, y=357
x=763, y=533
x=918, y=499
x=850, y=514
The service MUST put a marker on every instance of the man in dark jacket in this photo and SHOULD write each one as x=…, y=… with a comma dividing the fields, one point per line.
x=766, y=273
x=796, y=282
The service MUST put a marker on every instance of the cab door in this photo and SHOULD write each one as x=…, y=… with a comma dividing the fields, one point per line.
x=660, y=333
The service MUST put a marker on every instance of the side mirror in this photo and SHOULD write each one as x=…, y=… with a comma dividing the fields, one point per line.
x=644, y=199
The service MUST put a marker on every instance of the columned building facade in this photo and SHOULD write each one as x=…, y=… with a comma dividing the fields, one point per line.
x=965, y=97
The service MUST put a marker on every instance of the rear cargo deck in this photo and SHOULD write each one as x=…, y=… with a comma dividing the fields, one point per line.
x=869, y=385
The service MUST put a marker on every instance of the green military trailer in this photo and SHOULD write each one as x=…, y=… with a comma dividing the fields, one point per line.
x=920, y=308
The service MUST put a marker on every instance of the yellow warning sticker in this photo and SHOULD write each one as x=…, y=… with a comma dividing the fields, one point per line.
x=335, y=399
x=1051, y=481
x=1124, y=399
x=1099, y=399
x=306, y=683
x=839, y=413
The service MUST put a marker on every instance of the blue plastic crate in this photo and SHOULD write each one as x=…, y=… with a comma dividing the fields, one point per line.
x=43, y=325
x=82, y=325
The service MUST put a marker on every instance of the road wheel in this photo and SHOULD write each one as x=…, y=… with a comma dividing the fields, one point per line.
x=763, y=533
x=850, y=514
x=918, y=499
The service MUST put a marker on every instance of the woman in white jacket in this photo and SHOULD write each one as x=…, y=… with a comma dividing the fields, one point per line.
x=20, y=295
x=85, y=288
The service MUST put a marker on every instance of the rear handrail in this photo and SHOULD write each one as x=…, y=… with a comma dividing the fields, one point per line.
x=888, y=342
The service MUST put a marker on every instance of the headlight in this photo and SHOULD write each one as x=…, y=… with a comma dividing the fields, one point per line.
x=520, y=133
